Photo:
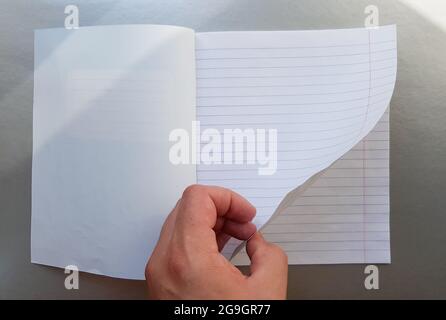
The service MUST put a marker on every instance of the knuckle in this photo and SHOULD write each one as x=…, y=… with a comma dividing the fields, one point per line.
x=193, y=190
x=176, y=266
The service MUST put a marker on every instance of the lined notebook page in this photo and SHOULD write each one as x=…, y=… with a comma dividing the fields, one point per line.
x=323, y=91
x=343, y=216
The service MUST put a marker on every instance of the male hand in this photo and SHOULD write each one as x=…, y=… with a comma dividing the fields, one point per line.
x=187, y=264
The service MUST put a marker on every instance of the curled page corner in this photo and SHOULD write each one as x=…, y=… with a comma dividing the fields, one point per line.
x=323, y=91
x=286, y=201
x=340, y=215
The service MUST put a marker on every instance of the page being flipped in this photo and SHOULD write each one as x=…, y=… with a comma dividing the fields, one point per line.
x=320, y=91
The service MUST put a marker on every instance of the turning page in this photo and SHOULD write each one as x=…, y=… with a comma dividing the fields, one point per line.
x=105, y=101
x=321, y=91
x=342, y=214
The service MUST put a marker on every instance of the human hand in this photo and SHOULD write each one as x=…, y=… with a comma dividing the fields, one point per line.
x=187, y=264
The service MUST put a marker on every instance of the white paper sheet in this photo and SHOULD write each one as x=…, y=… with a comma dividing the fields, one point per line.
x=105, y=101
x=342, y=216
x=322, y=90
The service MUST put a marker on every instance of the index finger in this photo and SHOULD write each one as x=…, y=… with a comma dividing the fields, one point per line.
x=201, y=205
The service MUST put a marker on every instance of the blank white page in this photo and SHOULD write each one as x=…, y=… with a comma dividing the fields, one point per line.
x=322, y=90
x=342, y=216
x=105, y=100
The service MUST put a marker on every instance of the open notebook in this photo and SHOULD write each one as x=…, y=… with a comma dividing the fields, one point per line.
x=106, y=100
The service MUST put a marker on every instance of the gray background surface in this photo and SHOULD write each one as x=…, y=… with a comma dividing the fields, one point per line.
x=417, y=123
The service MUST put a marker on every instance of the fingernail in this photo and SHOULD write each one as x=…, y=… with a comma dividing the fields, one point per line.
x=251, y=236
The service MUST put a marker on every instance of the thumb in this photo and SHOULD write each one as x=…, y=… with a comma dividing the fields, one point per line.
x=269, y=266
